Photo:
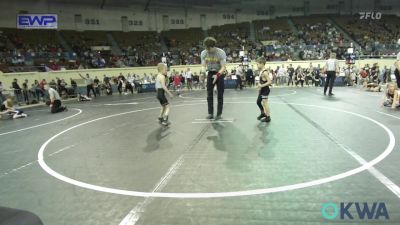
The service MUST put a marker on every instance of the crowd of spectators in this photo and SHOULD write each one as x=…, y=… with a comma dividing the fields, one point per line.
x=312, y=38
x=376, y=37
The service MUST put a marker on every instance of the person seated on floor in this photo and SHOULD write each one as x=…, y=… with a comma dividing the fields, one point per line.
x=55, y=100
x=108, y=88
x=83, y=98
x=363, y=76
x=316, y=78
x=373, y=87
x=128, y=87
x=392, y=96
x=7, y=108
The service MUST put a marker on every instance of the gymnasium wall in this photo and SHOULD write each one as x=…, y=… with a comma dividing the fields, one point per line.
x=7, y=78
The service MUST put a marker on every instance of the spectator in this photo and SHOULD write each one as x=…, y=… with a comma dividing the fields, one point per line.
x=290, y=74
x=108, y=88
x=53, y=84
x=25, y=91
x=300, y=77
x=250, y=77
x=128, y=86
x=106, y=79
x=17, y=90
x=63, y=88
x=1, y=92
x=372, y=86
x=189, y=79
x=384, y=74
x=281, y=80
x=121, y=82
x=74, y=86
x=38, y=90
x=58, y=84
x=177, y=83
x=96, y=85
x=42, y=83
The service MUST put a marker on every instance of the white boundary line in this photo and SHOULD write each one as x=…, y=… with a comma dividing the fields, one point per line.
x=95, y=103
x=212, y=121
x=382, y=178
x=134, y=215
x=312, y=183
x=134, y=99
x=388, y=114
x=293, y=93
x=225, y=119
x=129, y=103
x=31, y=163
x=377, y=174
x=364, y=92
x=43, y=124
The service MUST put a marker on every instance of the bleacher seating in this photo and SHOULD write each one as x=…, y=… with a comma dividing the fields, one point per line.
x=367, y=32
x=183, y=39
x=135, y=38
x=316, y=36
x=31, y=37
x=274, y=30
x=86, y=38
x=231, y=35
x=317, y=30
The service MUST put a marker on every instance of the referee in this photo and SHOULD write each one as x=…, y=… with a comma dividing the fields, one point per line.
x=331, y=67
x=213, y=60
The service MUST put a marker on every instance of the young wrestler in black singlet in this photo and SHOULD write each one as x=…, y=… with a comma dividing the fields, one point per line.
x=264, y=90
x=162, y=89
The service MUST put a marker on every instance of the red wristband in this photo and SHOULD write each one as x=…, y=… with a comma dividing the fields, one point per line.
x=218, y=75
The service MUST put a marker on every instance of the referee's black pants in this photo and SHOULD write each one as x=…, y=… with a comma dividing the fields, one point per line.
x=210, y=93
x=56, y=107
x=397, y=75
x=90, y=88
x=330, y=79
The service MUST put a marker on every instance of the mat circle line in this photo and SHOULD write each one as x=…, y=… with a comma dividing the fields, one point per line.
x=389, y=148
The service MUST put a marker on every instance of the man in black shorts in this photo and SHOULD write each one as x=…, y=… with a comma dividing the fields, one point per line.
x=213, y=60
x=161, y=89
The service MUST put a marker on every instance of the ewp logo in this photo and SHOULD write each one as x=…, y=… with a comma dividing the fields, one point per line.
x=37, y=21
x=330, y=211
x=370, y=15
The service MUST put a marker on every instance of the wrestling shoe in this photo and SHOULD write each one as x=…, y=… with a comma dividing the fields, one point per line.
x=262, y=115
x=266, y=119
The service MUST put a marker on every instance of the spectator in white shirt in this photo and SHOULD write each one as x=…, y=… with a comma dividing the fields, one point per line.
x=189, y=79
x=281, y=75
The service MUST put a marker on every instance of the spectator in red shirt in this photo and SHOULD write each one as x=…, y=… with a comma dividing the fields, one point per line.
x=178, y=82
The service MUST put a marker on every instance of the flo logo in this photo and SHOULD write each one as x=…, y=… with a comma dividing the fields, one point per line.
x=370, y=15
x=355, y=210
